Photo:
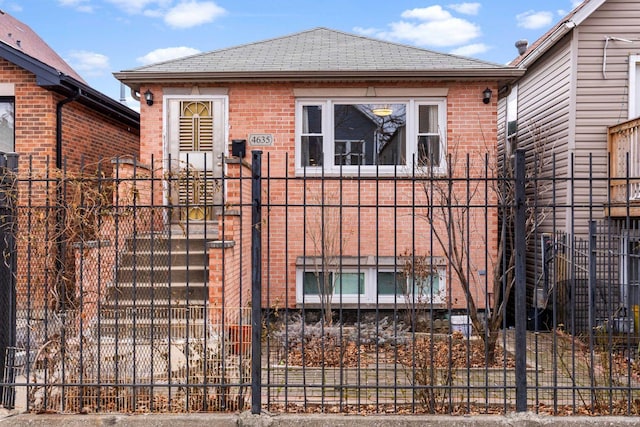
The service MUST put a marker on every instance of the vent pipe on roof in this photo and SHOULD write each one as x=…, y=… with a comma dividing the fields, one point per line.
x=522, y=46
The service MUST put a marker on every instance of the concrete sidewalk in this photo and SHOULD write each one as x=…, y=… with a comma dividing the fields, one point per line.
x=308, y=420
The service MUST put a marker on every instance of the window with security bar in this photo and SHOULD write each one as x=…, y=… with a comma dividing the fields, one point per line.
x=196, y=142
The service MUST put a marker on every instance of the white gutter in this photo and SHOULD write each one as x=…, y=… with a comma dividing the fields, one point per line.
x=547, y=44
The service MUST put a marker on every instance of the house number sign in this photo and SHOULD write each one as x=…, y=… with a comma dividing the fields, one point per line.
x=261, y=139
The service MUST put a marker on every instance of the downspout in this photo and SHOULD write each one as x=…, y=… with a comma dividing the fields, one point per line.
x=59, y=264
x=59, y=126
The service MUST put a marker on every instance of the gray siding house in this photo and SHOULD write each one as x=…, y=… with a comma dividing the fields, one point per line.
x=576, y=108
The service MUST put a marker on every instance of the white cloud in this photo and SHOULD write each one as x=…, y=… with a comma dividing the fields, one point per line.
x=434, y=27
x=79, y=5
x=532, y=20
x=574, y=4
x=14, y=7
x=166, y=54
x=89, y=63
x=134, y=7
x=431, y=13
x=466, y=8
x=470, y=49
x=180, y=14
x=193, y=13
x=371, y=32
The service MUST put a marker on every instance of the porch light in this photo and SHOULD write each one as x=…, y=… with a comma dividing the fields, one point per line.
x=486, y=95
x=383, y=111
x=148, y=96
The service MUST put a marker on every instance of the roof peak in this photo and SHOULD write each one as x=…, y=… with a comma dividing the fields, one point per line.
x=327, y=43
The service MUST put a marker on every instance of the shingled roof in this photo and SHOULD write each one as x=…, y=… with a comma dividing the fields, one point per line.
x=319, y=52
x=24, y=48
x=20, y=36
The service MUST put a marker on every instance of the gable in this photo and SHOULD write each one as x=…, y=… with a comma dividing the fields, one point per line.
x=576, y=17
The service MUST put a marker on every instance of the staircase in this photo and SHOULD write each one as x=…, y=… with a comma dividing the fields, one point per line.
x=160, y=287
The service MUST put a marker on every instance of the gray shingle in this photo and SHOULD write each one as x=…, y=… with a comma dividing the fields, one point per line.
x=318, y=50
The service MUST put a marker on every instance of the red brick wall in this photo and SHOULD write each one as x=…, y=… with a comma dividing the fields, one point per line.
x=270, y=108
x=84, y=133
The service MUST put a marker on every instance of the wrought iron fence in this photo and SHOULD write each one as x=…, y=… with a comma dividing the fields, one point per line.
x=486, y=290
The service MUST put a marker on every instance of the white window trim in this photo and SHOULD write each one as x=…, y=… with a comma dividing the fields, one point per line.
x=370, y=295
x=511, y=112
x=634, y=88
x=330, y=169
x=166, y=99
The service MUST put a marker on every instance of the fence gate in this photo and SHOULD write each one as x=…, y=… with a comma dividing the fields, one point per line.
x=8, y=195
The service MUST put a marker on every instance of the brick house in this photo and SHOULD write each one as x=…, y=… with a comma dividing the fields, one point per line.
x=49, y=110
x=55, y=122
x=344, y=122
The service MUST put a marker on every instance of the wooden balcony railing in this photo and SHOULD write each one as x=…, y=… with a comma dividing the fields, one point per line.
x=624, y=152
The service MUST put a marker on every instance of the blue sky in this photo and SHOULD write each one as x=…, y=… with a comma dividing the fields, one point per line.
x=99, y=37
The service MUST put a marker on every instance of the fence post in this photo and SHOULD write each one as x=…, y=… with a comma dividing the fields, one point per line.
x=520, y=282
x=8, y=267
x=592, y=275
x=256, y=281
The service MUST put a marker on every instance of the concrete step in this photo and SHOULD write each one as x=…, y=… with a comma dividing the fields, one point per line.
x=196, y=291
x=150, y=311
x=163, y=259
x=166, y=242
x=193, y=228
x=143, y=275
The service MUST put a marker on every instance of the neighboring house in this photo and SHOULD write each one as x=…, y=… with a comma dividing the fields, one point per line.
x=54, y=121
x=324, y=104
x=577, y=107
x=49, y=110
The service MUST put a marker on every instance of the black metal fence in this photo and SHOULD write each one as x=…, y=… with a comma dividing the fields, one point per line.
x=132, y=289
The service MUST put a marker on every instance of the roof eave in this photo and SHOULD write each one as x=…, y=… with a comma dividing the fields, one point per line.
x=547, y=44
x=51, y=79
x=563, y=29
x=97, y=100
x=135, y=79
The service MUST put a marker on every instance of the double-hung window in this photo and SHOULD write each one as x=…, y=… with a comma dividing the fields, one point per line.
x=368, y=136
x=512, y=121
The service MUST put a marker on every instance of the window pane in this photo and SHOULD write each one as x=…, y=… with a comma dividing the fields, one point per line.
x=429, y=150
x=7, y=127
x=349, y=283
x=312, y=119
x=311, y=151
x=391, y=283
x=364, y=138
x=427, y=286
x=349, y=152
x=313, y=283
x=428, y=119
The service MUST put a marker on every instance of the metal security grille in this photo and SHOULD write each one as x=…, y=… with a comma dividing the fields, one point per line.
x=350, y=293
x=196, y=148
